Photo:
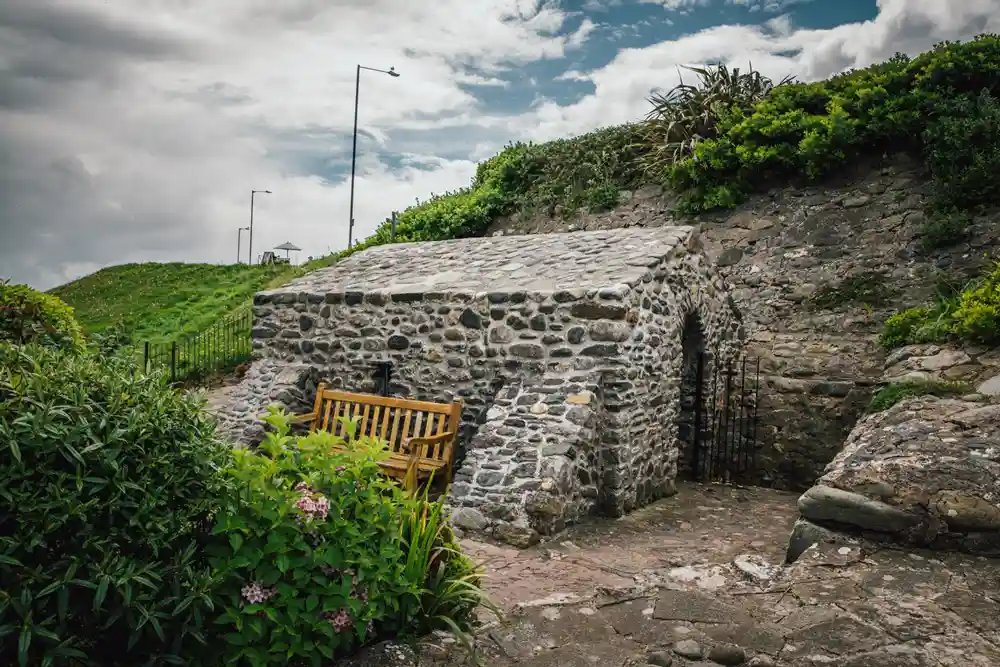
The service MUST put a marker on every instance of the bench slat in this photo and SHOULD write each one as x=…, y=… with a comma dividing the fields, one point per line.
x=406, y=430
x=371, y=399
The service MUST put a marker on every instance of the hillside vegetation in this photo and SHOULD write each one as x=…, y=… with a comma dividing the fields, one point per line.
x=160, y=302
x=711, y=142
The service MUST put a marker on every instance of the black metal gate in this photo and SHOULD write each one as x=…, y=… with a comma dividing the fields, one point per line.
x=723, y=439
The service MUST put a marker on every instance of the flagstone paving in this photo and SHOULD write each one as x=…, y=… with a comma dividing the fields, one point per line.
x=700, y=579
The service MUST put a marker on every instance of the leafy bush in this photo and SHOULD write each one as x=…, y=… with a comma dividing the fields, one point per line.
x=108, y=483
x=687, y=114
x=566, y=173
x=977, y=316
x=973, y=316
x=320, y=553
x=931, y=103
x=963, y=151
x=30, y=316
x=112, y=340
x=891, y=394
x=900, y=329
x=944, y=228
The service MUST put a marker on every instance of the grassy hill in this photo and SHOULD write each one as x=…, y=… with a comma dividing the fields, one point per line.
x=710, y=144
x=163, y=301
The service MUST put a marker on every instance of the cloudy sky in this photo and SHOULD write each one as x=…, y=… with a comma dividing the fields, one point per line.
x=134, y=130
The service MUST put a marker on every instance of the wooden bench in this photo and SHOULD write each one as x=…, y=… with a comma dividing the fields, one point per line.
x=419, y=435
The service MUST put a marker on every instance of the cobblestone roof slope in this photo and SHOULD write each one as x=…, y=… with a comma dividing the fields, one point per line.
x=535, y=263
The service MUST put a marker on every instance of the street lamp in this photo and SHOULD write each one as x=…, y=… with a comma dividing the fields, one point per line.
x=239, y=238
x=354, y=153
x=252, y=193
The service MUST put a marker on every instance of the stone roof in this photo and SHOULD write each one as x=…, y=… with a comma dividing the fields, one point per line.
x=531, y=263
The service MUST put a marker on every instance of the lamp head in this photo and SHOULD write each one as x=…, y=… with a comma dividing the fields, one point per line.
x=392, y=72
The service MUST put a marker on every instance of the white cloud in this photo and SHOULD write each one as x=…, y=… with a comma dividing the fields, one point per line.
x=573, y=75
x=677, y=5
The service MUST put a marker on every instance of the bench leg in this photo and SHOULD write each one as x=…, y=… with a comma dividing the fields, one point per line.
x=410, y=479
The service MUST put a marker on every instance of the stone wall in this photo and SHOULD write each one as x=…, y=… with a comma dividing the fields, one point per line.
x=566, y=350
x=815, y=270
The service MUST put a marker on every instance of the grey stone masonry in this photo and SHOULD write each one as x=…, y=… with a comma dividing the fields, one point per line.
x=567, y=350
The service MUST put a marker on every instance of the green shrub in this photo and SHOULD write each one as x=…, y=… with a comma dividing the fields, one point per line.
x=891, y=394
x=973, y=315
x=943, y=229
x=912, y=326
x=320, y=554
x=108, y=483
x=963, y=151
x=690, y=113
x=30, y=316
x=977, y=315
x=112, y=340
x=930, y=103
x=602, y=197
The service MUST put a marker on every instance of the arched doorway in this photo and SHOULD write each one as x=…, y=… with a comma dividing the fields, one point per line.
x=691, y=413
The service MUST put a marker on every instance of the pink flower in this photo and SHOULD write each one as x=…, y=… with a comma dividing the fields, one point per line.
x=340, y=468
x=254, y=593
x=340, y=620
x=312, y=504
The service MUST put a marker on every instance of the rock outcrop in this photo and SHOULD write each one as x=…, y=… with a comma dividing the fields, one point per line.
x=924, y=473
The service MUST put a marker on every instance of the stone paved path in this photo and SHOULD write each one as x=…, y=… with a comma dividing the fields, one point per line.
x=699, y=579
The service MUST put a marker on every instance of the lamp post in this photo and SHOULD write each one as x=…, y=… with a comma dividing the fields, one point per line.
x=354, y=153
x=239, y=240
x=250, y=252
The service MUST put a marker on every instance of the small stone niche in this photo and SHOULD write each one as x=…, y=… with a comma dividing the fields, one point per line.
x=568, y=351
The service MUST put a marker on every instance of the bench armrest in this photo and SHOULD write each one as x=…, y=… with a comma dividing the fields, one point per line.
x=301, y=419
x=413, y=445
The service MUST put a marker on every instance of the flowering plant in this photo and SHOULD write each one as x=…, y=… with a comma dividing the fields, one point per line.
x=308, y=554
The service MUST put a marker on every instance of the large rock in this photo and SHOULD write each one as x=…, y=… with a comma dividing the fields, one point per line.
x=925, y=472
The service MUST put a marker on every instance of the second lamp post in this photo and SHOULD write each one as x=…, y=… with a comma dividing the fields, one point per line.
x=354, y=152
x=252, y=193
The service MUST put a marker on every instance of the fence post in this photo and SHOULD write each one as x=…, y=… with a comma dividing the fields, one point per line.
x=173, y=361
x=392, y=229
x=145, y=357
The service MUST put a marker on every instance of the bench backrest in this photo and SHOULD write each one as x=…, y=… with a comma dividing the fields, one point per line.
x=390, y=419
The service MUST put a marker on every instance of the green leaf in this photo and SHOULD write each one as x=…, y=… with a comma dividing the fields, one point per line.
x=235, y=541
x=23, y=644
x=102, y=591
x=282, y=563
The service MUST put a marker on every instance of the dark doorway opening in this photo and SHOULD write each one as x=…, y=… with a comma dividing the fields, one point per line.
x=690, y=417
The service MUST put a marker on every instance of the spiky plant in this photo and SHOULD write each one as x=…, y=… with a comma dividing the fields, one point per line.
x=689, y=113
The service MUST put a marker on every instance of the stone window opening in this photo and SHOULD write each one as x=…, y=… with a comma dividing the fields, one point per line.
x=382, y=377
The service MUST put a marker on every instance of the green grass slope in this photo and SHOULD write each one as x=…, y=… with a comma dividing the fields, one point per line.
x=161, y=302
